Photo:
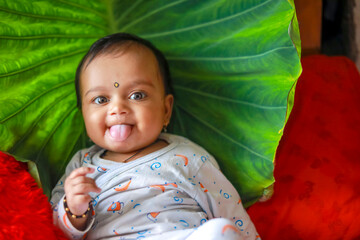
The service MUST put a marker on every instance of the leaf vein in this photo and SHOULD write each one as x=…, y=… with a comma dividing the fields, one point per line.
x=210, y=95
x=43, y=62
x=45, y=142
x=201, y=25
x=88, y=9
x=181, y=123
x=55, y=18
x=68, y=157
x=214, y=59
x=18, y=142
x=225, y=135
x=125, y=13
x=34, y=99
x=152, y=13
x=48, y=36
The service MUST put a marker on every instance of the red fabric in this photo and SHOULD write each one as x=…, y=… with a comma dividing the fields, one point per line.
x=317, y=171
x=25, y=212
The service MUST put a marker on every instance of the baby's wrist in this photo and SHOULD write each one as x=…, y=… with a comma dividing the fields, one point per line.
x=74, y=216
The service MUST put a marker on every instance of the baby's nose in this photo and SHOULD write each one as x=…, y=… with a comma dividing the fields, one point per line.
x=118, y=108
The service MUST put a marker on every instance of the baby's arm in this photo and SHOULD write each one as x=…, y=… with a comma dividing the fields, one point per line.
x=77, y=188
x=221, y=200
x=61, y=218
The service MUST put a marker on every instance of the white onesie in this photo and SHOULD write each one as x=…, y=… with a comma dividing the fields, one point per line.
x=172, y=193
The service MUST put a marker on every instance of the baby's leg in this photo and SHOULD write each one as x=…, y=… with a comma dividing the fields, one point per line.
x=217, y=228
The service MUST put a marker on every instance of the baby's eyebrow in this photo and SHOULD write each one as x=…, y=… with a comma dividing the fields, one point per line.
x=94, y=89
x=141, y=82
x=130, y=85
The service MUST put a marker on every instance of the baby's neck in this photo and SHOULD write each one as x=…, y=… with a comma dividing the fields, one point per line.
x=128, y=157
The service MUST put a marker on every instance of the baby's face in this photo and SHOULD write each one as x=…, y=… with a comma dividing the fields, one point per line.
x=123, y=100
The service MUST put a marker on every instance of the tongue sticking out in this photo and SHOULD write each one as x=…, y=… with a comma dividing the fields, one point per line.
x=120, y=132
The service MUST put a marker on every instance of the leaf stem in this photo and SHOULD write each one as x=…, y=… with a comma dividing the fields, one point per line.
x=127, y=11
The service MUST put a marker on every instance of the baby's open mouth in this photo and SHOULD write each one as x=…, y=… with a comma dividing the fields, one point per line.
x=120, y=132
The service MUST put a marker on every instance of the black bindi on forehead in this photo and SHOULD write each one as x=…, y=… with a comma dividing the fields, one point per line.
x=116, y=84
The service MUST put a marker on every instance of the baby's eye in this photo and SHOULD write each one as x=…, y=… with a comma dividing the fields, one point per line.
x=100, y=100
x=137, y=96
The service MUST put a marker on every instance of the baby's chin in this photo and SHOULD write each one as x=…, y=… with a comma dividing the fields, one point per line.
x=130, y=145
x=132, y=142
x=124, y=147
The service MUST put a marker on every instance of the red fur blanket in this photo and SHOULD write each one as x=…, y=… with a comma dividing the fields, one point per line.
x=317, y=189
x=25, y=212
x=317, y=193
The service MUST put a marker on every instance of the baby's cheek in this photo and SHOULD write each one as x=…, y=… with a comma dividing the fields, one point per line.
x=95, y=127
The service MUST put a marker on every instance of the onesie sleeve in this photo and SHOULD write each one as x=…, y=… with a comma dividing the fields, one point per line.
x=218, y=197
x=60, y=217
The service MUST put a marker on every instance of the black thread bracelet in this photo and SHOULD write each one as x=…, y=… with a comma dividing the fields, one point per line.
x=73, y=215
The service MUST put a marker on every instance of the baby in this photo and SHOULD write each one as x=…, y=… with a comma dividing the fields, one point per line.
x=137, y=182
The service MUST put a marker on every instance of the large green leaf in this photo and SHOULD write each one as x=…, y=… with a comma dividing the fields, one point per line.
x=233, y=63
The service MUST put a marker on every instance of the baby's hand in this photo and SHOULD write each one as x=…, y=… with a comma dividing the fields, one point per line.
x=77, y=188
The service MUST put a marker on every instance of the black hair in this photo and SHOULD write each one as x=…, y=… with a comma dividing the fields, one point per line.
x=115, y=41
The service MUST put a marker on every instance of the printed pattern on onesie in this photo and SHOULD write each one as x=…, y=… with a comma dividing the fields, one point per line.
x=178, y=187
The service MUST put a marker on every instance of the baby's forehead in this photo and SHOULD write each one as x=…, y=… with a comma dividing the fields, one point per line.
x=124, y=49
x=148, y=61
x=128, y=48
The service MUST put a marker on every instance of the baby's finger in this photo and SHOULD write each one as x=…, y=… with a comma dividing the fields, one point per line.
x=84, y=188
x=81, y=172
x=87, y=181
x=81, y=180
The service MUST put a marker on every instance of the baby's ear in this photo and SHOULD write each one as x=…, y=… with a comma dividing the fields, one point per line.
x=169, y=102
